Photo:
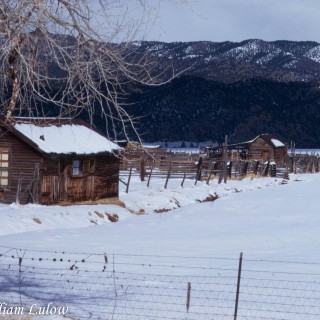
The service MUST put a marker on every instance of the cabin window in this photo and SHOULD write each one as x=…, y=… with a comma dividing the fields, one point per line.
x=76, y=168
x=4, y=167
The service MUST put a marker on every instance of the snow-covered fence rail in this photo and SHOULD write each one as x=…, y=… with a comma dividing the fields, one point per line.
x=118, y=286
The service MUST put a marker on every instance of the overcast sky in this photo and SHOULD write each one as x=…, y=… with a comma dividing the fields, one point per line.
x=236, y=20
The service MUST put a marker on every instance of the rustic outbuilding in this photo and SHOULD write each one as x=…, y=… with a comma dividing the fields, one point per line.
x=263, y=148
x=49, y=161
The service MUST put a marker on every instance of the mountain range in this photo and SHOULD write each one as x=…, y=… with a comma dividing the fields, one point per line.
x=240, y=89
x=234, y=61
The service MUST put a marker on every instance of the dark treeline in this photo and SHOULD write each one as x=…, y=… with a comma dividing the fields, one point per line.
x=195, y=109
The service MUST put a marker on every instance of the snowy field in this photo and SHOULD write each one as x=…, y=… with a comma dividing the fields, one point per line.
x=177, y=240
x=262, y=217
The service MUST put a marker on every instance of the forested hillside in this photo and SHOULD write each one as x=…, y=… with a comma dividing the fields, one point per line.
x=196, y=109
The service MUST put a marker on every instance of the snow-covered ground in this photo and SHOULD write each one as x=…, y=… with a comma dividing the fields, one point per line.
x=267, y=219
x=263, y=217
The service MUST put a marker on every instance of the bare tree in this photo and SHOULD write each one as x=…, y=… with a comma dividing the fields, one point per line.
x=73, y=55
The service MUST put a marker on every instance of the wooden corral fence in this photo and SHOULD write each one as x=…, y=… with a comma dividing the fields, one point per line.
x=158, y=163
x=304, y=163
x=148, y=164
x=161, y=163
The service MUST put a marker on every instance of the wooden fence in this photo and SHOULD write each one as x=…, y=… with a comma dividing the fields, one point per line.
x=161, y=163
x=150, y=164
x=304, y=163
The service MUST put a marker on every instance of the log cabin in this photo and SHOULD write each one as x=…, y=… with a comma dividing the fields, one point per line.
x=263, y=148
x=50, y=161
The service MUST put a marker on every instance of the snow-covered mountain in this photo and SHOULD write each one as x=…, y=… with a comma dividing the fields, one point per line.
x=233, y=61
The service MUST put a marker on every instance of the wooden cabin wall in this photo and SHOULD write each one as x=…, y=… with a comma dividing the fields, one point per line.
x=280, y=155
x=99, y=182
x=261, y=150
x=102, y=183
x=22, y=163
x=50, y=190
x=107, y=171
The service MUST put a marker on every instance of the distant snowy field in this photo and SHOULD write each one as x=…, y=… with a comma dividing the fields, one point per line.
x=307, y=151
x=265, y=218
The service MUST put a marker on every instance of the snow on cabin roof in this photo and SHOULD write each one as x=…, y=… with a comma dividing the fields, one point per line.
x=66, y=138
x=277, y=143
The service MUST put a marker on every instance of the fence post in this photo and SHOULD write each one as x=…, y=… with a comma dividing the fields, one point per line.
x=115, y=287
x=224, y=161
x=308, y=165
x=198, y=174
x=142, y=168
x=211, y=166
x=129, y=178
x=245, y=169
x=238, y=287
x=188, y=296
x=150, y=176
x=313, y=168
x=184, y=177
x=229, y=169
x=294, y=159
x=168, y=177
x=20, y=275
x=199, y=170
x=286, y=161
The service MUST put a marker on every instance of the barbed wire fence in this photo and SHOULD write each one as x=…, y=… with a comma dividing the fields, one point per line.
x=124, y=286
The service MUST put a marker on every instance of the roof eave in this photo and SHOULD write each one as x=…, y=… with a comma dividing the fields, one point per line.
x=75, y=154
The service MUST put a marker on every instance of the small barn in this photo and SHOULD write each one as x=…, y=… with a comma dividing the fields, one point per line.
x=263, y=148
x=267, y=148
x=49, y=161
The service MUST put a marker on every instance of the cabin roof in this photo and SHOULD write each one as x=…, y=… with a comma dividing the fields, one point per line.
x=266, y=137
x=272, y=141
x=62, y=137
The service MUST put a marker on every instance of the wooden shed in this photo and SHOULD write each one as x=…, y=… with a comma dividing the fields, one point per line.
x=263, y=148
x=48, y=161
x=267, y=148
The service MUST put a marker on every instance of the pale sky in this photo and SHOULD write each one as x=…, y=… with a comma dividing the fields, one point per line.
x=236, y=20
